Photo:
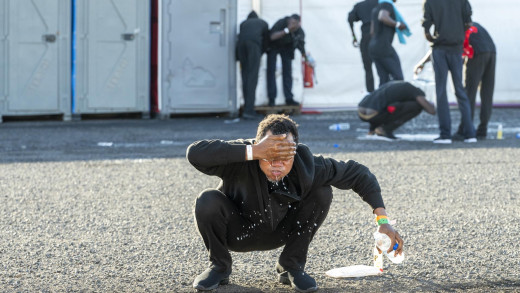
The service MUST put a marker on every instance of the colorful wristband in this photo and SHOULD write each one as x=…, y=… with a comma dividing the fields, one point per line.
x=381, y=217
x=382, y=221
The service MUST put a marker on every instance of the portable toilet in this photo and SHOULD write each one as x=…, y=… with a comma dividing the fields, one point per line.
x=35, y=58
x=197, y=56
x=111, y=57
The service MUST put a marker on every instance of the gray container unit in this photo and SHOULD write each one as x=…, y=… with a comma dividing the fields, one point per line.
x=35, y=58
x=112, y=69
x=197, y=60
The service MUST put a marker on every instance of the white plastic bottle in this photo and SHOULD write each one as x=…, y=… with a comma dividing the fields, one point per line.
x=378, y=260
x=384, y=242
x=339, y=126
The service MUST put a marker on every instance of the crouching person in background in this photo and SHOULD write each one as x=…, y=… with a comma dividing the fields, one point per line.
x=391, y=105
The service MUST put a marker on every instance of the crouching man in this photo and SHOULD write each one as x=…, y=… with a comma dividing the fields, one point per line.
x=273, y=192
x=391, y=105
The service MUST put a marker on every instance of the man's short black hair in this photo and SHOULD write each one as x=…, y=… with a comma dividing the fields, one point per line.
x=278, y=124
x=295, y=16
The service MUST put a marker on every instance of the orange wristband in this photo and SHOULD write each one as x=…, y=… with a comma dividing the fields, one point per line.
x=381, y=217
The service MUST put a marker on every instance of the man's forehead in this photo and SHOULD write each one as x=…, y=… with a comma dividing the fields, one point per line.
x=290, y=137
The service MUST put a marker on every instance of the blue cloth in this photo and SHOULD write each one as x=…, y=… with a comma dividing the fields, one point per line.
x=399, y=18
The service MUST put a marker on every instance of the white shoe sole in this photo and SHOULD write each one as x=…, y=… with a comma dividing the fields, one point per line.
x=442, y=141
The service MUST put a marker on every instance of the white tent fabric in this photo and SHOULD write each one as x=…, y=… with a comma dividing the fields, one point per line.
x=339, y=69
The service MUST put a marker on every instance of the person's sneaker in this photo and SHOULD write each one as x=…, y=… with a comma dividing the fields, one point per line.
x=210, y=279
x=388, y=136
x=481, y=134
x=457, y=137
x=297, y=279
x=470, y=140
x=442, y=140
x=292, y=103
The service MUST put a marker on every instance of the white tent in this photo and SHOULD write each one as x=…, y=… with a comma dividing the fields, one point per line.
x=339, y=68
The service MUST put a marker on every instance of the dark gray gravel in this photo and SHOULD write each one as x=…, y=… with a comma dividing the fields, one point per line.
x=80, y=216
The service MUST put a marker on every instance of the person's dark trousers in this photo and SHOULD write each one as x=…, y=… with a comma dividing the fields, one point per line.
x=388, y=68
x=403, y=112
x=443, y=61
x=480, y=70
x=222, y=228
x=286, y=55
x=367, y=63
x=249, y=54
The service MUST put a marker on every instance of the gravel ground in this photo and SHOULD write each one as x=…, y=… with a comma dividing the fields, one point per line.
x=80, y=216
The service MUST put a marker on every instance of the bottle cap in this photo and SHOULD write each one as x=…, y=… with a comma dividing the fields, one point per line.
x=395, y=246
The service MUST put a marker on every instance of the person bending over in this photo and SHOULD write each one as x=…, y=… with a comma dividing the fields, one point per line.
x=391, y=105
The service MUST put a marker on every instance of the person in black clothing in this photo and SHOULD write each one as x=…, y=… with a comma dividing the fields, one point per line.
x=380, y=48
x=451, y=18
x=286, y=35
x=273, y=192
x=392, y=105
x=479, y=70
x=362, y=12
x=252, y=42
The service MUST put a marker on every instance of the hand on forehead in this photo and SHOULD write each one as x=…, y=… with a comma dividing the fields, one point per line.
x=288, y=137
x=277, y=147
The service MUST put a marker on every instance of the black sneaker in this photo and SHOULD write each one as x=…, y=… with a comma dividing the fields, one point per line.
x=388, y=136
x=481, y=134
x=292, y=103
x=210, y=279
x=297, y=279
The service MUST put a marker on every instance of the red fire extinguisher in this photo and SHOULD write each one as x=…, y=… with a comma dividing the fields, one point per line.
x=309, y=74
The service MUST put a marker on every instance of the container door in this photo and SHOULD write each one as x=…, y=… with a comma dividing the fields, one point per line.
x=35, y=52
x=112, y=57
x=198, y=56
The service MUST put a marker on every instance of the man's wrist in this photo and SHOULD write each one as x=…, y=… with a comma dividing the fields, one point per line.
x=380, y=211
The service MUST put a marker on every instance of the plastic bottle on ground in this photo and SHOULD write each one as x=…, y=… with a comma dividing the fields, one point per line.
x=339, y=126
x=499, y=132
x=383, y=242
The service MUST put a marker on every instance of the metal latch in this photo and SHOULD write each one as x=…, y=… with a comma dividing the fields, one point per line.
x=50, y=38
x=128, y=37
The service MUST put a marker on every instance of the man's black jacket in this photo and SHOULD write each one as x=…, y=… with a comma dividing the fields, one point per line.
x=291, y=41
x=245, y=184
x=450, y=18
